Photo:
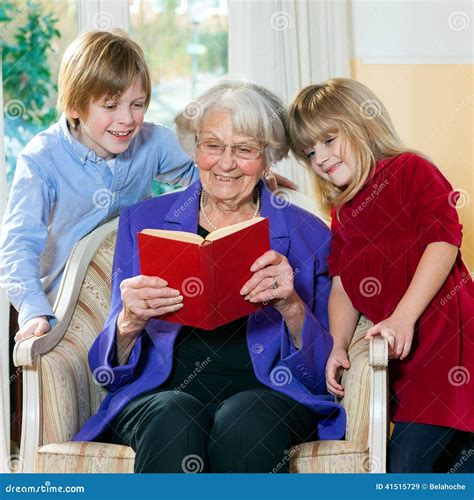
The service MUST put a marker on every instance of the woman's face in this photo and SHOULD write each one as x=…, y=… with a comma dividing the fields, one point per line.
x=333, y=160
x=224, y=176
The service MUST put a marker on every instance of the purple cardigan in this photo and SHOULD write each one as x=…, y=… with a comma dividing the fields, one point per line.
x=302, y=237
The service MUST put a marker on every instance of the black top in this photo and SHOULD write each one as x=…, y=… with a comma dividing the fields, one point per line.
x=212, y=365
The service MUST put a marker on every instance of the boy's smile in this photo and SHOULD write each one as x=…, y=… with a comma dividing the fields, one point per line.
x=111, y=124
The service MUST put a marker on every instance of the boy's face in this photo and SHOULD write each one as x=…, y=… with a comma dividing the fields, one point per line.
x=111, y=123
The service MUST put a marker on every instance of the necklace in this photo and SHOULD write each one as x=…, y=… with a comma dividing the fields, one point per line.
x=214, y=227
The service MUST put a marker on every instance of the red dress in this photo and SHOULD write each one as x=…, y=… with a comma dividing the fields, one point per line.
x=377, y=245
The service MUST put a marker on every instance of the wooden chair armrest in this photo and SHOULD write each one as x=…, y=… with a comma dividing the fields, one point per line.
x=378, y=420
x=27, y=351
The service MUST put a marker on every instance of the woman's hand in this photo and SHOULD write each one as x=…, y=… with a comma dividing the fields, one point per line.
x=145, y=297
x=34, y=327
x=398, y=330
x=272, y=282
x=337, y=361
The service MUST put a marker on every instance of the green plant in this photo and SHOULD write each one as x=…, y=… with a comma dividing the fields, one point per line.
x=26, y=71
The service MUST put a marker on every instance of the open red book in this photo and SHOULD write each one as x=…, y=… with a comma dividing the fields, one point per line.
x=209, y=272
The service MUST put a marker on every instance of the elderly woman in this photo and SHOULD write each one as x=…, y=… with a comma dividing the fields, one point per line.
x=237, y=398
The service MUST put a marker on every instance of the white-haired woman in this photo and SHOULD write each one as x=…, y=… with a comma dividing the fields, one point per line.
x=236, y=414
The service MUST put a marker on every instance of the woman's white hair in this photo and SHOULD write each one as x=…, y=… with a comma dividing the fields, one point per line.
x=255, y=112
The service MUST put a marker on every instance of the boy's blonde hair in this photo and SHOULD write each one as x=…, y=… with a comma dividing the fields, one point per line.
x=99, y=64
x=348, y=108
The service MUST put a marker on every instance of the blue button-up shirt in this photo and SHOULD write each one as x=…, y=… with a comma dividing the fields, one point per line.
x=61, y=191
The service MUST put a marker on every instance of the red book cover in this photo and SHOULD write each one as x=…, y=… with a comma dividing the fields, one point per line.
x=209, y=273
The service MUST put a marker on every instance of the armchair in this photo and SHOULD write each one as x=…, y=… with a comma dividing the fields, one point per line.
x=60, y=393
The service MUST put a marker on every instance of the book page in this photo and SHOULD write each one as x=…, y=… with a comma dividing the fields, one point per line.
x=175, y=235
x=224, y=231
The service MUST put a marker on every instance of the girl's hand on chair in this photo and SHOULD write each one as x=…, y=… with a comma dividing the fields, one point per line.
x=35, y=327
x=337, y=361
x=398, y=331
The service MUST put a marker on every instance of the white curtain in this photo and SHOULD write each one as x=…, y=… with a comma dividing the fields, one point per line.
x=103, y=15
x=4, y=315
x=286, y=45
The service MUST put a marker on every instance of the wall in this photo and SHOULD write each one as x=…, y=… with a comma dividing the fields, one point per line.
x=417, y=56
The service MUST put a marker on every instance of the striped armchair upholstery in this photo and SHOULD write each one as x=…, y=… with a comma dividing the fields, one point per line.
x=57, y=379
x=60, y=393
x=365, y=402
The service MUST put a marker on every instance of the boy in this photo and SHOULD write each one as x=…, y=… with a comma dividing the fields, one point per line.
x=98, y=158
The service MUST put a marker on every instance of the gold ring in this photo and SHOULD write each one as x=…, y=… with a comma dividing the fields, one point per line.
x=147, y=304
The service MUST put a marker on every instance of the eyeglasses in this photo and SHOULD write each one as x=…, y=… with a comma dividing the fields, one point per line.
x=217, y=148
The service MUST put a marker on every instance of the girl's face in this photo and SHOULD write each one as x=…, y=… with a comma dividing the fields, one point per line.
x=333, y=160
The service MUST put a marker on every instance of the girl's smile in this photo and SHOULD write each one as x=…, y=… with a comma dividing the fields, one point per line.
x=332, y=160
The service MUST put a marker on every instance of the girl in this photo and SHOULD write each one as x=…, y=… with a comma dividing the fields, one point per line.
x=395, y=259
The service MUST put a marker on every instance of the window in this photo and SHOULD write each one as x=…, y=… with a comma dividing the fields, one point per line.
x=34, y=35
x=185, y=44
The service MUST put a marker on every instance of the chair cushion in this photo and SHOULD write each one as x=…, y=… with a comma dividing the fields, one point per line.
x=330, y=456
x=84, y=457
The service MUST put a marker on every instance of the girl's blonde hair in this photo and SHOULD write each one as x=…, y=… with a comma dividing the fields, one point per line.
x=99, y=64
x=348, y=108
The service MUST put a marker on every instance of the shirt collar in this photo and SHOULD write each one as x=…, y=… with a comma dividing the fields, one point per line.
x=82, y=151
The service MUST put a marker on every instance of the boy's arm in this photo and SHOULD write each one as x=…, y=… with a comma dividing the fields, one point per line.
x=23, y=239
x=174, y=165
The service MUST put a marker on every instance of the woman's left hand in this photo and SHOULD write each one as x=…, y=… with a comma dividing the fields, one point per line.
x=398, y=331
x=272, y=282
